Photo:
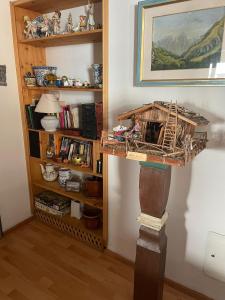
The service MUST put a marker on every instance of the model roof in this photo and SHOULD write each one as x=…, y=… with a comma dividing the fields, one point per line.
x=183, y=113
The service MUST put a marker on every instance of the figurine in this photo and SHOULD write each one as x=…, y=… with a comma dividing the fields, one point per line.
x=30, y=30
x=69, y=26
x=82, y=24
x=65, y=81
x=90, y=13
x=86, y=84
x=56, y=19
x=78, y=83
x=45, y=26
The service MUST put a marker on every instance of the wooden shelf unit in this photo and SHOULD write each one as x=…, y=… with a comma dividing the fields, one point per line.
x=33, y=52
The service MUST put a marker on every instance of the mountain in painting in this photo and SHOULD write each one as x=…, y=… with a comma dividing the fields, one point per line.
x=206, y=51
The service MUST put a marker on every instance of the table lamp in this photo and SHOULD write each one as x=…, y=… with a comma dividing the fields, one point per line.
x=48, y=104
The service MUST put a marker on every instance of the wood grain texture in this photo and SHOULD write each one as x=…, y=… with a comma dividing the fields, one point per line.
x=43, y=6
x=40, y=263
x=85, y=37
x=105, y=45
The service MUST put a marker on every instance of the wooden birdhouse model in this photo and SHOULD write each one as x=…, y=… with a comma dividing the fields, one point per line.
x=161, y=132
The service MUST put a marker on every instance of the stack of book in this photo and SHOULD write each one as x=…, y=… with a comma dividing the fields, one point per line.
x=88, y=118
x=53, y=203
x=69, y=118
x=33, y=118
x=78, y=152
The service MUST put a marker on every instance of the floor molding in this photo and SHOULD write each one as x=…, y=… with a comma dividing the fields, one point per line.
x=169, y=282
x=26, y=221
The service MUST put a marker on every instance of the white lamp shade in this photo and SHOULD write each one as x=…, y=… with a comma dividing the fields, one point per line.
x=48, y=104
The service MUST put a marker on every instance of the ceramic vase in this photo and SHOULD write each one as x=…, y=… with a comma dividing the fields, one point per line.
x=97, y=70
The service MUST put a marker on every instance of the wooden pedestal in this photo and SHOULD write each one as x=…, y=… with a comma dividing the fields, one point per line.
x=151, y=245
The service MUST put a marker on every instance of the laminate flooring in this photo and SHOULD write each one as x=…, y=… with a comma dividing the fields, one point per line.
x=40, y=263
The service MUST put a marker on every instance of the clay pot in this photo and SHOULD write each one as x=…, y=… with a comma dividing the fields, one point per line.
x=91, y=218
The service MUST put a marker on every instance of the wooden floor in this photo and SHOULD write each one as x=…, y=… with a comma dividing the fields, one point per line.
x=39, y=263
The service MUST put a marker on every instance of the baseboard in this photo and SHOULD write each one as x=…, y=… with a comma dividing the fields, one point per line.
x=185, y=290
x=169, y=282
x=18, y=225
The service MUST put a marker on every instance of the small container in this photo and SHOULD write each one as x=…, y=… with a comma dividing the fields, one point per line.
x=92, y=218
x=64, y=176
x=93, y=187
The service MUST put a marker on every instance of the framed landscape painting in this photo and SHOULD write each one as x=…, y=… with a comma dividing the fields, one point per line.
x=181, y=43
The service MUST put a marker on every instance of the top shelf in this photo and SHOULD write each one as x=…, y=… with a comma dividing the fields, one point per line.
x=94, y=36
x=43, y=6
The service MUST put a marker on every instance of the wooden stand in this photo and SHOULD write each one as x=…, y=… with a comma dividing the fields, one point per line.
x=152, y=244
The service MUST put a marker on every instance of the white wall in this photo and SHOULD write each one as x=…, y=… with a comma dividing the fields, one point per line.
x=14, y=201
x=197, y=197
x=196, y=203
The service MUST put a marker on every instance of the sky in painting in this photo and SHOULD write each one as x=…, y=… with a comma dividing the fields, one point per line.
x=186, y=27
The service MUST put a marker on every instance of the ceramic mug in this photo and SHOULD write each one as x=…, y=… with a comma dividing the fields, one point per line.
x=64, y=176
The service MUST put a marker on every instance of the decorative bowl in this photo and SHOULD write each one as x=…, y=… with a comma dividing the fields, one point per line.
x=41, y=71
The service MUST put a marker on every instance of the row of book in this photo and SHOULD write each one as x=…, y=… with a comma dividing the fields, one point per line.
x=87, y=118
x=33, y=118
x=53, y=203
x=70, y=117
x=78, y=152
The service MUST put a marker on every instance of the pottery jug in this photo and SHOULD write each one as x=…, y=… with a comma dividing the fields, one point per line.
x=48, y=172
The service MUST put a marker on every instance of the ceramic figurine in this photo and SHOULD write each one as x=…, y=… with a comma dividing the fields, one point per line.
x=56, y=19
x=69, y=26
x=45, y=26
x=90, y=13
x=86, y=84
x=48, y=172
x=30, y=30
x=78, y=83
x=65, y=81
x=83, y=23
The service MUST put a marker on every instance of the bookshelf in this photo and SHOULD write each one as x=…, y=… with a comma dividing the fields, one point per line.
x=33, y=52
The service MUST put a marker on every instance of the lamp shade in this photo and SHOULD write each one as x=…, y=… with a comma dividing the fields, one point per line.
x=48, y=104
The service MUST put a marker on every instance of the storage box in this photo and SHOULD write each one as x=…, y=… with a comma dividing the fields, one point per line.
x=76, y=210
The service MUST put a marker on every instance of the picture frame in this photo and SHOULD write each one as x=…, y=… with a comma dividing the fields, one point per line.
x=3, y=75
x=163, y=61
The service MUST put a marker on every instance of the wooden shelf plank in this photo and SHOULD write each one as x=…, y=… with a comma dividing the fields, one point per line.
x=65, y=89
x=75, y=222
x=62, y=133
x=70, y=166
x=44, y=6
x=94, y=36
x=55, y=187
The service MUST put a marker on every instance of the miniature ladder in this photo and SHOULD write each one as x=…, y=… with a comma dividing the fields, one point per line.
x=170, y=136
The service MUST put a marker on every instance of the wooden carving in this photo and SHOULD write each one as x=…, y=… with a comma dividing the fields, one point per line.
x=164, y=131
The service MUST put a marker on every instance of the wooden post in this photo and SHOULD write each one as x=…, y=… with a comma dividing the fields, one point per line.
x=152, y=243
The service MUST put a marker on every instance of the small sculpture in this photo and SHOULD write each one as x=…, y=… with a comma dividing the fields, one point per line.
x=82, y=24
x=48, y=172
x=78, y=83
x=69, y=26
x=86, y=84
x=56, y=19
x=45, y=26
x=65, y=81
x=90, y=13
x=30, y=30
